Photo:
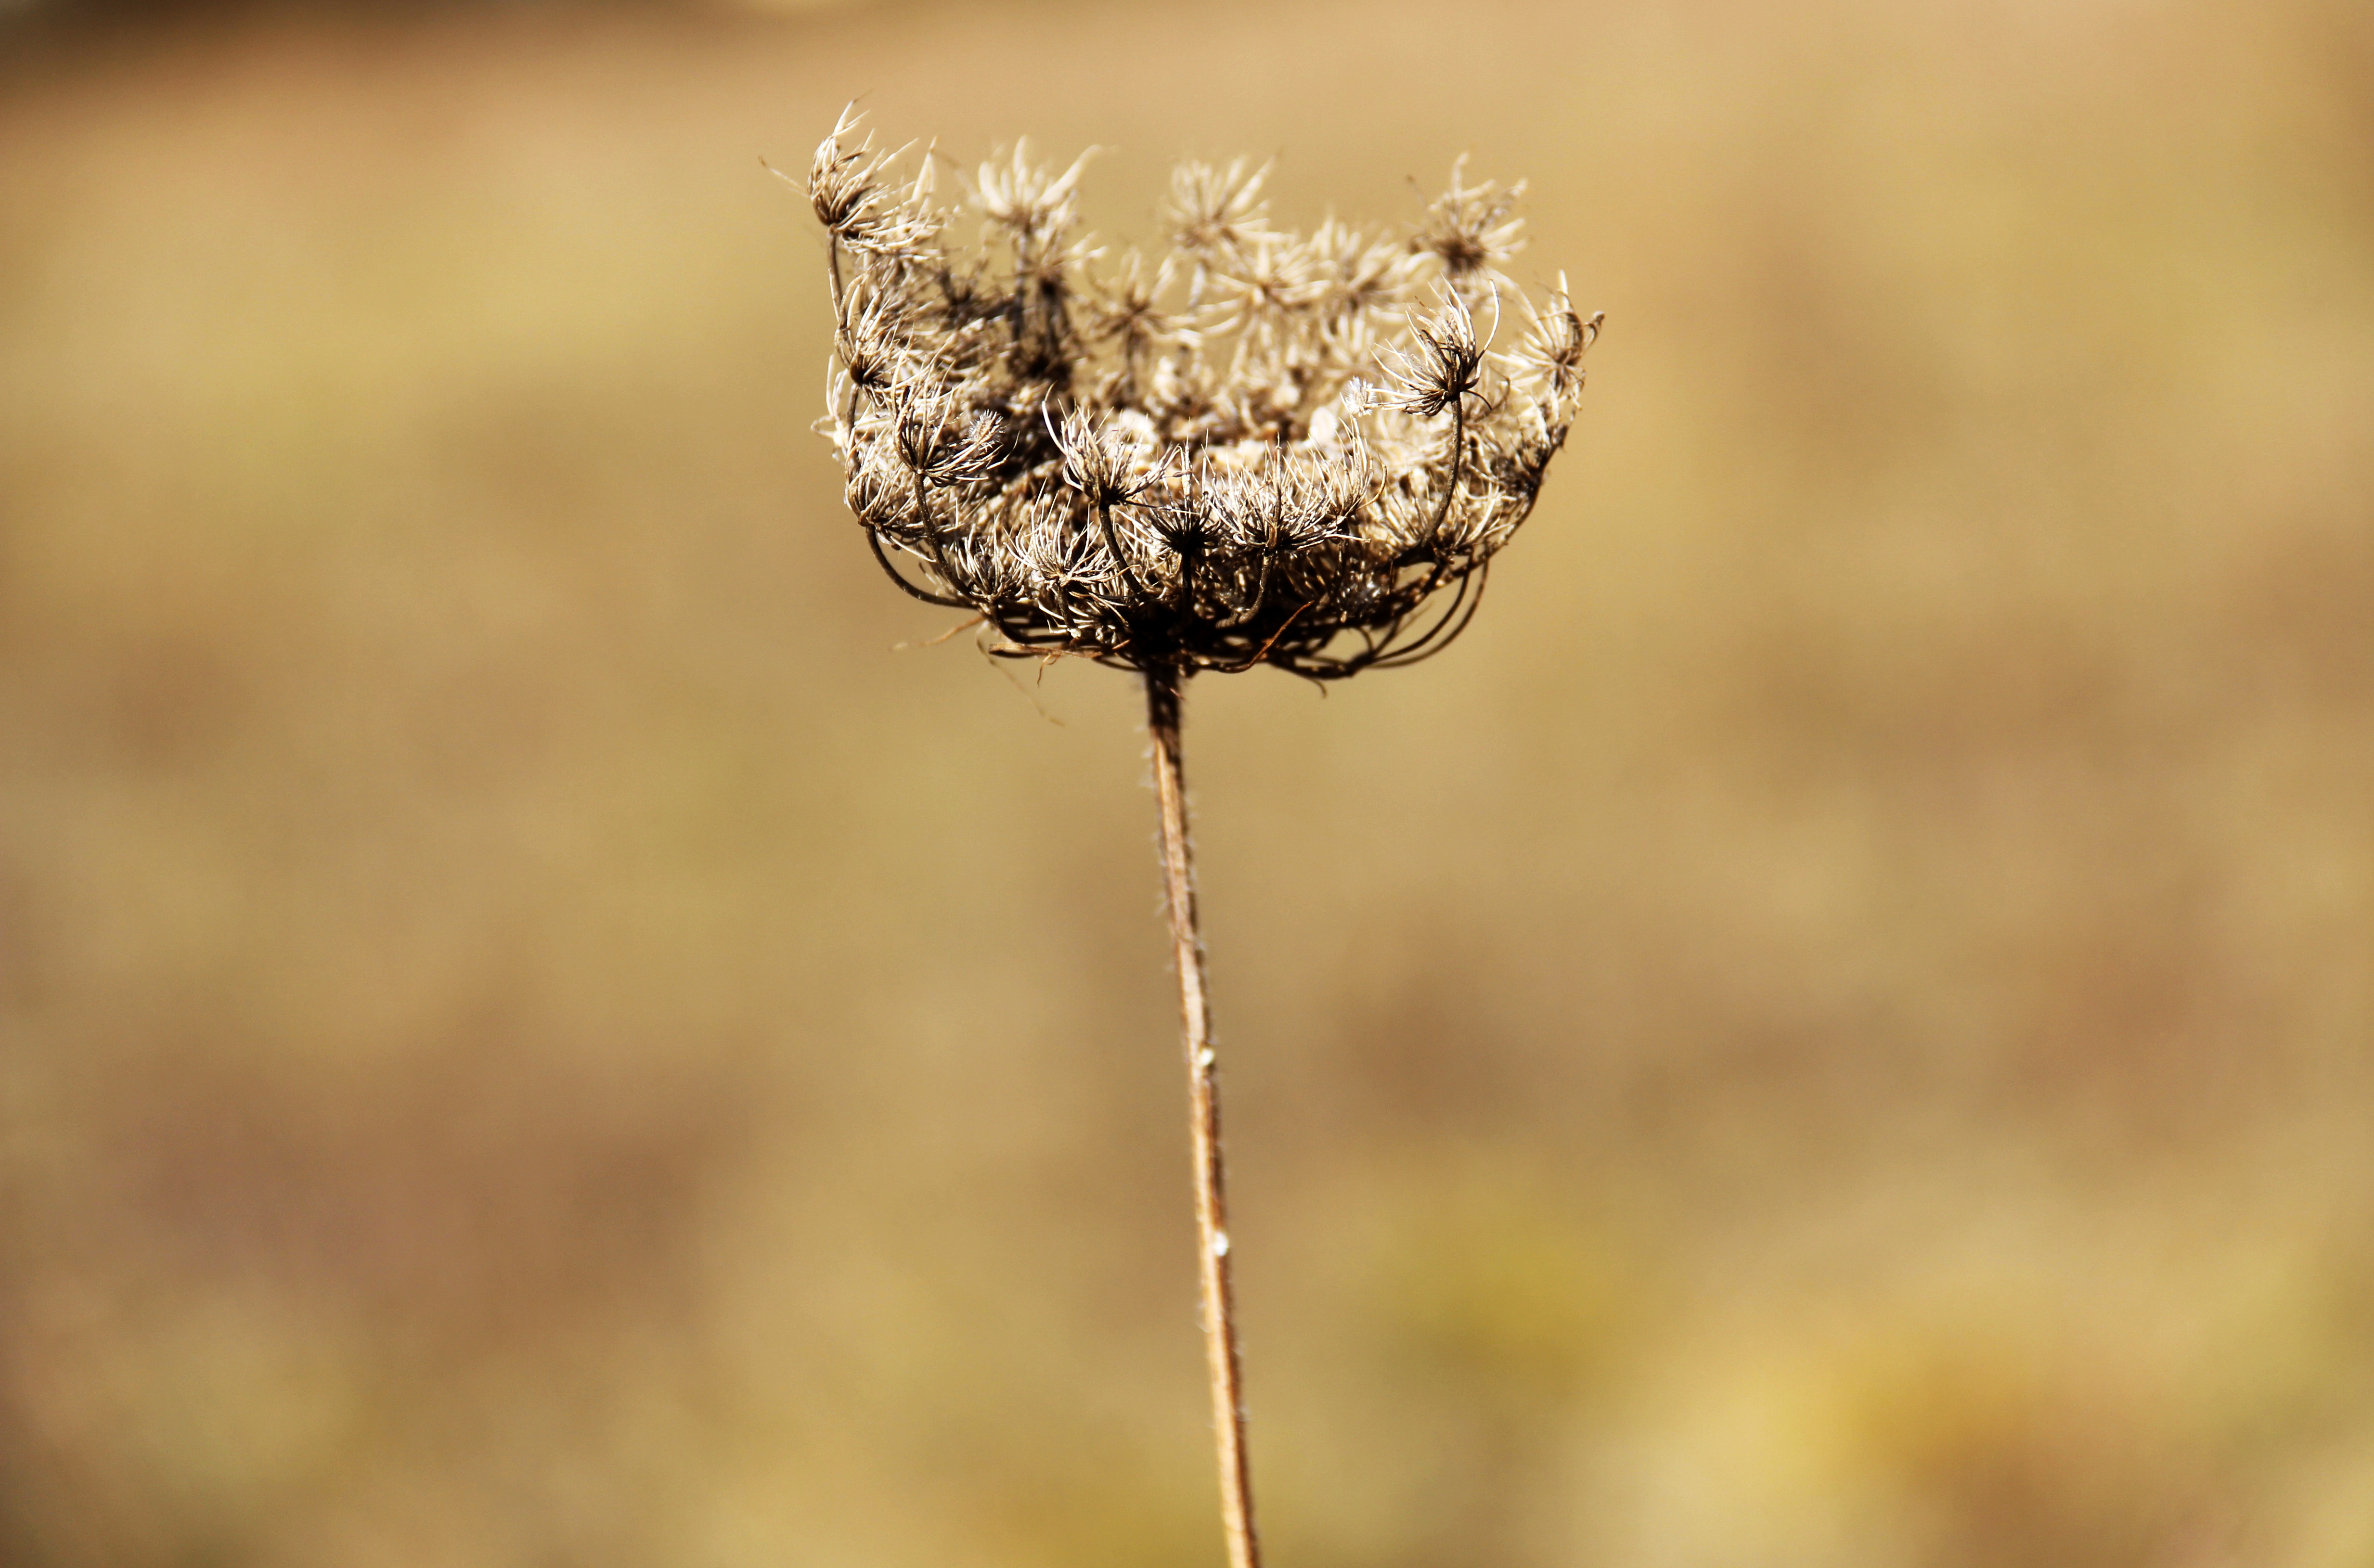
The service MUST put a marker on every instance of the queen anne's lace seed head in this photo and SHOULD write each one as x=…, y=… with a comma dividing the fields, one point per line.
x=1262, y=449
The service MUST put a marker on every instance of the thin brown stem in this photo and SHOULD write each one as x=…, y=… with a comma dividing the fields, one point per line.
x=1223, y=1362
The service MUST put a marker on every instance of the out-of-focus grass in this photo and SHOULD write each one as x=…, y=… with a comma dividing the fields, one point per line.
x=1833, y=1029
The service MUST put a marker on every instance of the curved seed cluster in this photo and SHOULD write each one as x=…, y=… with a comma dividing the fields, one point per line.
x=1265, y=448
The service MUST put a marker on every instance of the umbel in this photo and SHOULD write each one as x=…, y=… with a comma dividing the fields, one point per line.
x=1261, y=448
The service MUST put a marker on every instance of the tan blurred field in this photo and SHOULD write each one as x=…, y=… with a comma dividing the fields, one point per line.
x=1836, y=1028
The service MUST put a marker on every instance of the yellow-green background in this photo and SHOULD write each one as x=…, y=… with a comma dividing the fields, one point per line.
x=1835, y=1028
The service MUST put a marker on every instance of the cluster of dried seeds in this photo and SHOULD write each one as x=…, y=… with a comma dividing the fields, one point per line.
x=1265, y=448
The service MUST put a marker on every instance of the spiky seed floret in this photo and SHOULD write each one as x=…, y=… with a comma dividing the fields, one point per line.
x=1442, y=363
x=1274, y=449
x=1472, y=230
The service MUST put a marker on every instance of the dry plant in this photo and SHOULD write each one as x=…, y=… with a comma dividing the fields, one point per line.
x=1263, y=448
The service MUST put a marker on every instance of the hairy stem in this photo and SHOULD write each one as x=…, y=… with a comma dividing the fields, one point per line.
x=1162, y=689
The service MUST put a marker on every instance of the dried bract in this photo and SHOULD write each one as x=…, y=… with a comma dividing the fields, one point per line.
x=1262, y=448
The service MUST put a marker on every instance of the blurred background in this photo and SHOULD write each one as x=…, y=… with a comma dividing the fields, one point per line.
x=1832, y=1029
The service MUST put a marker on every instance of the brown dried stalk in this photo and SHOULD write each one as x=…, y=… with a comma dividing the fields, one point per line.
x=1267, y=449
x=1223, y=1358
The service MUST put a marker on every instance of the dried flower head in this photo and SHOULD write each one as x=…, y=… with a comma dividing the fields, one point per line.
x=1265, y=448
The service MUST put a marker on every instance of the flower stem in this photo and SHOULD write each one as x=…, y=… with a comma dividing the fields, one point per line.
x=1162, y=691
